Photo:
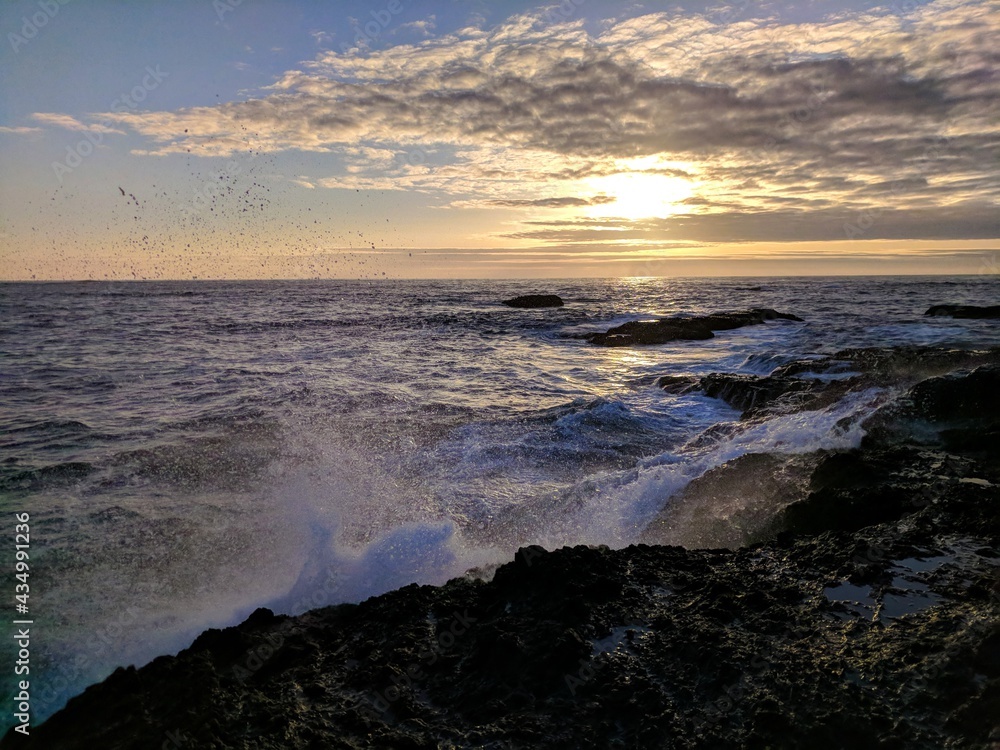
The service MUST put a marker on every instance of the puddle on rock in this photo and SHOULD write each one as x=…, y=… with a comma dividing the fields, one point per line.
x=909, y=592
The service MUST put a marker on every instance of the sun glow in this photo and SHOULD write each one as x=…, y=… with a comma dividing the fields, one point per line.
x=639, y=195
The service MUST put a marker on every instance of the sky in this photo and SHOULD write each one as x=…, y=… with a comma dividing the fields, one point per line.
x=468, y=139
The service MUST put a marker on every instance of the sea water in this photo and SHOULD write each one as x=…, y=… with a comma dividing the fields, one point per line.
x=189, y=451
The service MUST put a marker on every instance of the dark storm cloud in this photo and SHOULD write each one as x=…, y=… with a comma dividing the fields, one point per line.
x=564, y=202
x=974, y=221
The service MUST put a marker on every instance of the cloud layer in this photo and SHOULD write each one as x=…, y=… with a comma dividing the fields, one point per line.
x=878, y=125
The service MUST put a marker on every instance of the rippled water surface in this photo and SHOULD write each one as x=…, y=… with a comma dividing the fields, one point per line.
x=189, y=451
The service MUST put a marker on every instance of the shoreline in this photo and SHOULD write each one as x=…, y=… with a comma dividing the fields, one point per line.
x=877, y=628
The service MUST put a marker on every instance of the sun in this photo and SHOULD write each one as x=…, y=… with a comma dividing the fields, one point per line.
x=639, y=195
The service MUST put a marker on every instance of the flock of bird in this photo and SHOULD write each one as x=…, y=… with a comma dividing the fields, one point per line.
x=247, y=221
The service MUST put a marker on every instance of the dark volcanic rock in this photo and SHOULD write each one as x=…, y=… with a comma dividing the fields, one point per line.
x=804, y=384
x=964, y=311
x=871, y=621
x=751, y=393
x=593, y=648
x=975, y=396
x=894, y=473
x=651, y=332
x=892, y=364
x=866, y=488
x=534, y=301
x=961, y=410
x=754, y=394
x=679, y=383
x=733, y=504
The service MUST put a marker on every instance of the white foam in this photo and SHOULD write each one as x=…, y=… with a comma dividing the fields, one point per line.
x=425, y=553
x=621, y=506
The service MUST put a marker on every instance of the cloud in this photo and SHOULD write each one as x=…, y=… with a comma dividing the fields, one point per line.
x=71, y=123
x=19, y=130
x=966, y=221
x=424, y=26
x=770, y=119
x=560, y=202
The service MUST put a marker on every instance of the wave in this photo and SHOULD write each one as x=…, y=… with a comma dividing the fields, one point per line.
x=380, y=440
x=616, y=510
x=140, y=293
x=44, y=477
x=50, y=426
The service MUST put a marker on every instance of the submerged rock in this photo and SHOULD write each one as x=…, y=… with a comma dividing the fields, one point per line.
x=534, y=301
x=652, y=332
x=964, y=311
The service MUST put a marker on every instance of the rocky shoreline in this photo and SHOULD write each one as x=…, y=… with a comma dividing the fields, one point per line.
x=865, y=617
x=663, y=330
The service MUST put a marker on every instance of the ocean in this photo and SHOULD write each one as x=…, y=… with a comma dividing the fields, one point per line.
x=189, y=451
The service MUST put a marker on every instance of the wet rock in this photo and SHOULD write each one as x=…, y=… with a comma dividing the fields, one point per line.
x=902, y=465
x=964, y=311
x=817, y=383
x=870, y=621
x=752, y=394
x=649, y=333
x=959, y=411
x=853, y=490
x=734, y=504
x=788, y=644
x=531, y=301
x=678, y=384
x=954, y=397
x=912, y=363
x=653, y=332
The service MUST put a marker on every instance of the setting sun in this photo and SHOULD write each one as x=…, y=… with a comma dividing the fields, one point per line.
x=639, y=195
